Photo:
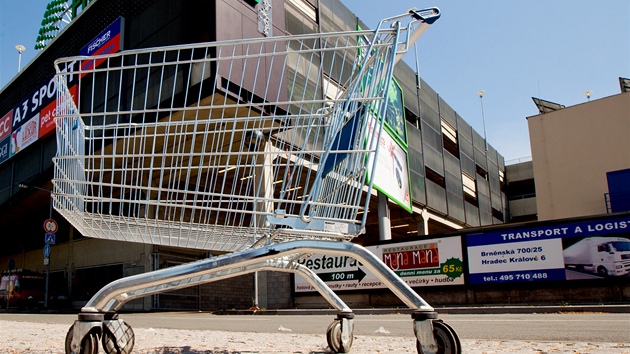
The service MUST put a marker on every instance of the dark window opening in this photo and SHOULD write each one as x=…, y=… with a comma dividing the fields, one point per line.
x=412, y=118
x=450, y=146
x=520, y=190
x=435, y=177
x=497, y=214
x=481, y=172
x=470, y=199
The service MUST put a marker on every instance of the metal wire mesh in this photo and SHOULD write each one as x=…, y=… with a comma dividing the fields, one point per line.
x=217, y=145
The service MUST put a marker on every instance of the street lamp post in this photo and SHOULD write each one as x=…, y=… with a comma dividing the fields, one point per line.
x=20, y=48
x=588, y=95
x=483, y=118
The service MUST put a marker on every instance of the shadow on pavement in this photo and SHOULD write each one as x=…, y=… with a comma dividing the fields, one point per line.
x=189, y=350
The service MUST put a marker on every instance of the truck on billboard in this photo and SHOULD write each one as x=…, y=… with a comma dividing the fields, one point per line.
x=585, y=249
x=600, y=255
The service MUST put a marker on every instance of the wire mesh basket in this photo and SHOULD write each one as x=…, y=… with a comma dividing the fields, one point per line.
x=217, y=146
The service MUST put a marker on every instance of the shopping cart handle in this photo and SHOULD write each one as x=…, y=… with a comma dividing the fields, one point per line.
x=429, y=15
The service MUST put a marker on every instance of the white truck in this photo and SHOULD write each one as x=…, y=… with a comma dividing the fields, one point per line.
x=601, y=255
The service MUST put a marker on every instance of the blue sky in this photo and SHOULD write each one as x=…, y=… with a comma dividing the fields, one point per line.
x=515, y=49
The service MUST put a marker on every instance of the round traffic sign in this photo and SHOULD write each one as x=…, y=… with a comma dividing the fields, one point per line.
x=50, y=226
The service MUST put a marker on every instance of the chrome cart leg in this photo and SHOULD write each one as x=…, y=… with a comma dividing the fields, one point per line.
x=423, y=329
x=433, y=336
x=340, y=333
x=87, y=333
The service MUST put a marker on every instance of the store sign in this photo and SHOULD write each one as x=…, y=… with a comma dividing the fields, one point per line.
x=6, y=125
x=32, y=104
x=419, y=263
x=107, y=42
x=33, y=117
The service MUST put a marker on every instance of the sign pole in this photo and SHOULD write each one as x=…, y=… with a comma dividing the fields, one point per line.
x=47, y=261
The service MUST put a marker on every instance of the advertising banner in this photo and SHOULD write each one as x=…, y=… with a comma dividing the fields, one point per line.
x=6, y=125
x=392, y=177
x=32, y=104
x=48, y=114
x=34, y=116
x=25, y=135
x=419, y=263
x=5, y=149
x=578, y=250
x=107, y=42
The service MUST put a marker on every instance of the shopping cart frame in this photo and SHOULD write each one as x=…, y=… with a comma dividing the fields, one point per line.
x=278, y=250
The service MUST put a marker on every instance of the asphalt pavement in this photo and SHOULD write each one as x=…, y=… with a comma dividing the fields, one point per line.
x=287, y=332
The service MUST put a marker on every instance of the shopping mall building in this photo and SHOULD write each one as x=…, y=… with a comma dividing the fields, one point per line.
x=456, y=179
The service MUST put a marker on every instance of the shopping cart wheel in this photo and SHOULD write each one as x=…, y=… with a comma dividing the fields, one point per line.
x=446, y=338
x=89, y=344
x=118, y=337
x=339, y=334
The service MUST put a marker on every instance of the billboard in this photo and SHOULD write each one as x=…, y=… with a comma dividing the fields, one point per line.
x=432, y=262
x=392, y=178
x=576, y=250
x=33, y=117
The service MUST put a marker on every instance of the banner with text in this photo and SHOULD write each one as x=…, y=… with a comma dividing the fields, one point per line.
x=419, y=263
x=577, y=250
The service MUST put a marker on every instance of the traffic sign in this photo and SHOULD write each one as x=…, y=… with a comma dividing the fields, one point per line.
x=49, y=239
x=46, y=250
x=50, y=226
x=46, y=261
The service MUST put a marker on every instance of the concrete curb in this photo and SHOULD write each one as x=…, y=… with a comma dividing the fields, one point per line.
x=464, y=310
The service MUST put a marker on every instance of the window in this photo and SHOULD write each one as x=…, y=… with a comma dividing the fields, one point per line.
x=481, y=172
x=502, y=179
x=435, y=177
x=305, y=7
x=470, y=188
x=449, y=138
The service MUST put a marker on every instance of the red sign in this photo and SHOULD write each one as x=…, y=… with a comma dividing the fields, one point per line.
x=50, y=226
x=412, y=259
x=48, y=114
x=5, y=125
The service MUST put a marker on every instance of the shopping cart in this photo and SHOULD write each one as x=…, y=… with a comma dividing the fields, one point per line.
x=257, y=150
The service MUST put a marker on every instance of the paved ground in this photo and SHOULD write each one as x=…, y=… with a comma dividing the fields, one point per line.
x=46, y=334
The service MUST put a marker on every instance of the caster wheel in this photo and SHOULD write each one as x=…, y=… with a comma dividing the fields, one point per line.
x=446, y=338
x=89, y=344
x=118, y=338
x=333, y=336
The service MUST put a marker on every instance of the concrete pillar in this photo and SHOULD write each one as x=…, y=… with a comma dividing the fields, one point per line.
x=423, y=226
x=384, y=223
x=260, y=288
